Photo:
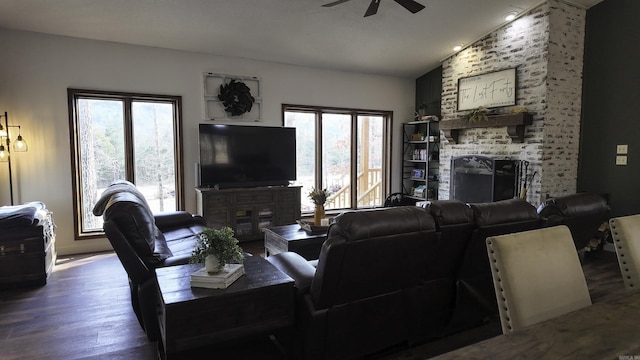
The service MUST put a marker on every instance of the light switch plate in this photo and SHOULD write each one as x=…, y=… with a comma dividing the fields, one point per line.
x=621, y=160
x=622, y=149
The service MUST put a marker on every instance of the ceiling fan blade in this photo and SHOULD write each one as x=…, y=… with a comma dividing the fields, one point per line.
x=410, y=5
x=373, y=8
x=338, y=2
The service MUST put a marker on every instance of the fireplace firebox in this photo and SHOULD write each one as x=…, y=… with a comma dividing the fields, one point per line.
x=476, y=179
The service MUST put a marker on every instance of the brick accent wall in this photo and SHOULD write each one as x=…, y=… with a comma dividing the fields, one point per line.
x=546, y=46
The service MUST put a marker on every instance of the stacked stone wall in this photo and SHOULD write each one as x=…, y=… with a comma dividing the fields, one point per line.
x=564, y=100
x=545, y=46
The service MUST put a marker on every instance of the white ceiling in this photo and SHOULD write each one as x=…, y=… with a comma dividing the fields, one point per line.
x=300, y=32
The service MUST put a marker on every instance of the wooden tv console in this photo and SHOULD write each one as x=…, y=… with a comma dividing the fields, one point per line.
x=248, y=211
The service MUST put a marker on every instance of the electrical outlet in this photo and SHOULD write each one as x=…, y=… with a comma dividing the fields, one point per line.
x=622, y=149
x=621, y=160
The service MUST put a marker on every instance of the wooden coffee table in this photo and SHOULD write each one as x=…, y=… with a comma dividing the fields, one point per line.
x=259, y=302
x=279, y=239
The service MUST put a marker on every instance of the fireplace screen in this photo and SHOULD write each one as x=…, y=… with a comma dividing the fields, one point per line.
x=477, y=179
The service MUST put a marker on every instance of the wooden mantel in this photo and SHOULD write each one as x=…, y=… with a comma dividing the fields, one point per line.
x=515, y=124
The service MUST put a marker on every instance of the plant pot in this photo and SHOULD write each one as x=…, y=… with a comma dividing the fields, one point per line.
x=318, y=215
x=212, y=264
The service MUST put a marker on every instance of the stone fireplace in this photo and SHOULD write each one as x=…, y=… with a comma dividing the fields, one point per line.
x=546, y=47
x=476, y=179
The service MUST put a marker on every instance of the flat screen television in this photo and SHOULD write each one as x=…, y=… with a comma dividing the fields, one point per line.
x=246, y=156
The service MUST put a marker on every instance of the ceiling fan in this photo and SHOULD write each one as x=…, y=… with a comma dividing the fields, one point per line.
x=410, y=5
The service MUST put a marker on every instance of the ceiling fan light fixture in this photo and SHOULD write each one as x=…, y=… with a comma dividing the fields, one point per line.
x=373, y=8
x=411, y=5
x=510, y=16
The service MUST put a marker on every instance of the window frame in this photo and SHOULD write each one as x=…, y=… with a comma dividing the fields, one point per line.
x=354, y=113
x=127, y=98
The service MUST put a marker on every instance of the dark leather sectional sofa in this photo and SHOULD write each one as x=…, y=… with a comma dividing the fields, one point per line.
x=407, y=275
x=143, y=242
x=400, y=275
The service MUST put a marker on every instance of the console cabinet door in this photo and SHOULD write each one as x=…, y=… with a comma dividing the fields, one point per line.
x=214, y=207
x=249, y=211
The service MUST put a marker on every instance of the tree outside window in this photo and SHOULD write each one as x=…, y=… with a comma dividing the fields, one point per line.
x=118, y=136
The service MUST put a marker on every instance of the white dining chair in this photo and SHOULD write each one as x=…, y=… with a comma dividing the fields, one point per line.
x=625, y=231
x=537, y=276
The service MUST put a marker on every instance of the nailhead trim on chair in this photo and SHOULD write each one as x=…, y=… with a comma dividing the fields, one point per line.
x=502, y=300
x=620, y=245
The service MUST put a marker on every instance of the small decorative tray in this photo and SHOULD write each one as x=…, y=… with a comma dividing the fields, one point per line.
x=311, y=228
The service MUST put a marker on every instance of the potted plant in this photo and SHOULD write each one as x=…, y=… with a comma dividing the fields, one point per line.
x=479, y=114
x=216, y=248
x=319, y=197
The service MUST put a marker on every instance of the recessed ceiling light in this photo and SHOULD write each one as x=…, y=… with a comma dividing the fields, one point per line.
x=457, y=47
x=510, y=16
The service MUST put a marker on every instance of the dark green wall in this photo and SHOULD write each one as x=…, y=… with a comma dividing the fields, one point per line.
x=610, y=104
x=429, y=91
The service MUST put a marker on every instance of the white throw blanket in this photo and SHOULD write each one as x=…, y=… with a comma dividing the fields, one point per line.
x=115, y=187
x=27, y=214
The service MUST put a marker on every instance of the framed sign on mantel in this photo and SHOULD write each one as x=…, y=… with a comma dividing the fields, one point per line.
x=494, y=89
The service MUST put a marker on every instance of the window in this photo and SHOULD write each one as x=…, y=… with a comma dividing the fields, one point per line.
x=345, y=151
x=114, y=136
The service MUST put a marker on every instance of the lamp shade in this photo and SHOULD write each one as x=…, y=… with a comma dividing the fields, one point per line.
x=20, y=145
x=4, y=156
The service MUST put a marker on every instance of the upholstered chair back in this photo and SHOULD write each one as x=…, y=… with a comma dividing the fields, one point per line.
x=537, y=276
x=475, y=300
x=625, y=231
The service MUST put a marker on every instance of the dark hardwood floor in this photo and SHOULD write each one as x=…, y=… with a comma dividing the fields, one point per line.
x=84, y=312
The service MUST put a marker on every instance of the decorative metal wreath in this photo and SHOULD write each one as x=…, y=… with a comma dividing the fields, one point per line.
x=236, y=97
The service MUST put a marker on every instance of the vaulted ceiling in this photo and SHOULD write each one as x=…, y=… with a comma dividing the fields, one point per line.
x=300, y=32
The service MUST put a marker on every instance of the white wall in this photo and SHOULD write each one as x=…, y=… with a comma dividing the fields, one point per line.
x=37, y=69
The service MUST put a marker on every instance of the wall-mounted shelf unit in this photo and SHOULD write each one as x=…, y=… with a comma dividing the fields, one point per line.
x=420, y=160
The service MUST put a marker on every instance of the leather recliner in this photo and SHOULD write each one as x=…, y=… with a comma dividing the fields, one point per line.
x=375, y=285
x=583, y=213
x=143, y=242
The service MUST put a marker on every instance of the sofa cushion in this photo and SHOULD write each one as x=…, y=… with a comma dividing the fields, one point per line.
x=449, y=212
x=366, y=224
x=504, y=211
x=178, y=219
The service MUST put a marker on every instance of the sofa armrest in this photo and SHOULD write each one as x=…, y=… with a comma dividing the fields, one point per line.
x=174, y=219
x=297, y=267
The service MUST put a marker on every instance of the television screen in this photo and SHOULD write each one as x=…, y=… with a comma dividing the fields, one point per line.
x=246, y=156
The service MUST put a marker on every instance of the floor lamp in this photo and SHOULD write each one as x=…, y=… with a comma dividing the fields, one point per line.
x=5, y=151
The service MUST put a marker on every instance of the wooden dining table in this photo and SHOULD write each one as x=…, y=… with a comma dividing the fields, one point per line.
x=604, y=330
